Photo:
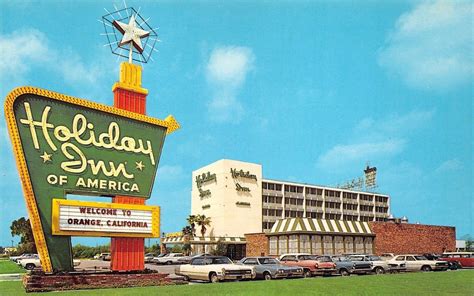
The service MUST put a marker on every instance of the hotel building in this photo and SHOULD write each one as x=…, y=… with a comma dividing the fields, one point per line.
x=235, y=193
x=255, y=216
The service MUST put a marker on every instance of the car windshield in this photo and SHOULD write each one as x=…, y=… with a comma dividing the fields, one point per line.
x=307, y=257
x=268, y=261
x=358, y=258
x=324, y=259
x=342, y=258
x=420, y=258
x=374, y=258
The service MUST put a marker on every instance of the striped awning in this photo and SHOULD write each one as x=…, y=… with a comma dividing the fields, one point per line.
x=299, y=225
x=202, y=240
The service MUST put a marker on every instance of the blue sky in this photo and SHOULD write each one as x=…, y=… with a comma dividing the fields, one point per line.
x=310, y=90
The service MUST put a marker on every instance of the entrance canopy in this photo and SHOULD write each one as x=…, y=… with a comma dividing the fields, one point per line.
x=316, y=226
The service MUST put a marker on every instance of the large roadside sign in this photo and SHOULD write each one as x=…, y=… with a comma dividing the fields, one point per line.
x=65, y=145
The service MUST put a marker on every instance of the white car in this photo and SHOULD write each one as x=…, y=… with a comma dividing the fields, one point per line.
x=171, y=258
x=23, y=256
x=417, y=263
x=214, y=269
x=33, y=263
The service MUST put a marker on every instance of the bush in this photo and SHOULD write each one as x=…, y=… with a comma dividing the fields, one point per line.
x=81, y=251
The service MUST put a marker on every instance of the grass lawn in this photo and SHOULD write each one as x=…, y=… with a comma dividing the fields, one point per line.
x=7, y=266
x=431, y=283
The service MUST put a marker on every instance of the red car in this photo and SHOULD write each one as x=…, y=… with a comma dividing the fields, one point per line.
x=311, y=264
x=463, y=259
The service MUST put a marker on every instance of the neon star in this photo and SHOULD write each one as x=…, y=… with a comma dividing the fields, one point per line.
x=131, y=33
x=46, y=157
x=140, y=165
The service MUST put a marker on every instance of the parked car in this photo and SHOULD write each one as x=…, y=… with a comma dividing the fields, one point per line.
x=418, y=262
x=23, y=256
x=187, y=259
x=32, y=263
x=311, y=266
x=149, y=257
x=268, y=268
x=105, y=257
x=214, y=269
x=379, y=266
x=345, y=267
x=171, y=258
x=461, y=259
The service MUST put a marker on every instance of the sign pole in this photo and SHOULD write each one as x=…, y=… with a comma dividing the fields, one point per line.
x=129, y=253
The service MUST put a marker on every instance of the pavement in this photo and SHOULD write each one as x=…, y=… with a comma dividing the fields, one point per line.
x=105, y=265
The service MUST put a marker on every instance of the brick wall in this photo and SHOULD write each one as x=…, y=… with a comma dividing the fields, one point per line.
x=257, y=244
x=407, y=238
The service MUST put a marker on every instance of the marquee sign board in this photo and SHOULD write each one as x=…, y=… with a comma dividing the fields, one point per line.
x=71, y=217
x=65, y=145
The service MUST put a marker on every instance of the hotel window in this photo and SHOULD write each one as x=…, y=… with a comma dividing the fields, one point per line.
x=299, y=189
x=282, y=244
x=271, y=186
x=328, y=248
x=305, y=244
x=316, y=244
x=359, y=245
x=299, y=214
x=264, y=185
x=287, y=188
x=368, y=245
x=319, y=192
x=273, y=245
x=278, y=187
x=339, y=244
x=278, y=213
x=299, y=201
x=293, y=244
x=349, y=242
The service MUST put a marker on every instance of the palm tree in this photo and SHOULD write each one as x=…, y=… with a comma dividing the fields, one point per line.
x=187, y=232
x=192, y=222
x=203, y=221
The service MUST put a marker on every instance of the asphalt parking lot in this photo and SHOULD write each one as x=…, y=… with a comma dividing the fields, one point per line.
x=87, y=264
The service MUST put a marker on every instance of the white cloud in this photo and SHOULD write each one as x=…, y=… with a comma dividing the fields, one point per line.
x=431, y=46
x=449, y=166
x=170, y=173
x=19, y=49
x=376, y=139
x=393, y=125
x=226, y=72
x=342, y=154
x=29, y=51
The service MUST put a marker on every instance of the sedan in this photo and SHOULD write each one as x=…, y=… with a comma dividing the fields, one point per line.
x=268, y=268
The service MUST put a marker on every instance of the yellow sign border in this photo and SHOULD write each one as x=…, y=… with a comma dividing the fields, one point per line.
x=155, y=218
x=169, y=123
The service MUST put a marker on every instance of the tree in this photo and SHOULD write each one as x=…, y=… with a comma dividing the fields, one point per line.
x=187, y=232
x=22, y=228
x=220, y=250
x=203, y=221
x=192, y=222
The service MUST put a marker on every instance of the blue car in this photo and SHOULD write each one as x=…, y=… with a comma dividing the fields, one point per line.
x=268, y=268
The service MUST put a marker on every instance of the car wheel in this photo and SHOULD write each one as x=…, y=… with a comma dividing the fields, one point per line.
x=307, y=273
x=213, y=278
x=186, y=278
x=379, y=270
x=344, y=272
x=168, y=262
x=267, y=276
x=30, y=266
x=425, y=268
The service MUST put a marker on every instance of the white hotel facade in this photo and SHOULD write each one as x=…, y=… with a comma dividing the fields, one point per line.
x=240, y=201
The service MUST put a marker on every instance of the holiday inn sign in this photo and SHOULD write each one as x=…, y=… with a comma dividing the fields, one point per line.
x=65, y=145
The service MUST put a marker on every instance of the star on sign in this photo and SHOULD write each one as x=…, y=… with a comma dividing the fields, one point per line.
x=131, y=33
x=140, y=165
x=46, y=157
